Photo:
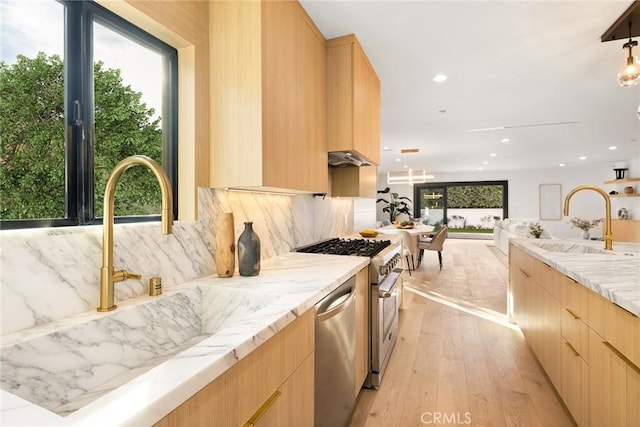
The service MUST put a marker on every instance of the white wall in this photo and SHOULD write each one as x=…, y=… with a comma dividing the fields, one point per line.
x=523, y=192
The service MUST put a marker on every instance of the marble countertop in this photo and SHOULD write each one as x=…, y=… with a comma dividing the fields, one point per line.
x=614, y=275
x=297, y=280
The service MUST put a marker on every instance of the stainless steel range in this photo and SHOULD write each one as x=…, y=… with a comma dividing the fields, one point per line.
x=383, y=306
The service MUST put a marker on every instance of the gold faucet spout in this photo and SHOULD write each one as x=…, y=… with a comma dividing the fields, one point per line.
x=608, y=235
x=107, y=274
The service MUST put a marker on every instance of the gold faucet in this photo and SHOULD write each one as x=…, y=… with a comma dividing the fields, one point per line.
x=107, y=274
x=608, y=235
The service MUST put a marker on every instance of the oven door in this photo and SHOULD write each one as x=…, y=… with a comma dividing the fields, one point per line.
x=384, y=324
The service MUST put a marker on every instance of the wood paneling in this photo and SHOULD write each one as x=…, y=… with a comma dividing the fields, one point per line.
x=354, y=181
x=363, y=288
x=627, y=230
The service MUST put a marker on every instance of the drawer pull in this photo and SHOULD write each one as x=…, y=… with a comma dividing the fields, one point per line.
x=622, y=356
x=263, y=409
x=524, y=272
x=575, y=352
x=575, y=316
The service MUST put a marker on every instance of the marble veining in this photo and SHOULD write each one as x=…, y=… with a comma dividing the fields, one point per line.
x=212, y=323
x=615, y=275
x=41, y=268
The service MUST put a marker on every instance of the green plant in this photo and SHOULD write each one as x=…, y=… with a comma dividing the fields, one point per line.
x=396, y=205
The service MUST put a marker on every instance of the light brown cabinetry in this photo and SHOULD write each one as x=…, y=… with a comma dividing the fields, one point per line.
x=599, y=354
x=539, y=310
x=353, y=96
x=271, y=386
x=362, y=327
x=353, y=181
x=268, y=88
x=575, y=349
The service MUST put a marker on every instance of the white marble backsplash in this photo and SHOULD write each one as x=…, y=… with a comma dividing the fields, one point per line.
x=48, y=274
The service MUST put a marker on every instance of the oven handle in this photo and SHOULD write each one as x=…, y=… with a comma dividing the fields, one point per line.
x=344, y=300
x=385, y=291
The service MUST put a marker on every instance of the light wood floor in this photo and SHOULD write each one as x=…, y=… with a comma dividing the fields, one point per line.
x=457, y=360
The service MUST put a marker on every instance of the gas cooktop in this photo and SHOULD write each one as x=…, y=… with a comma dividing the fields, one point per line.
x=337, y=246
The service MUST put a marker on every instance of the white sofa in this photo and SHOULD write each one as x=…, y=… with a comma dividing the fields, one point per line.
x=509, y=228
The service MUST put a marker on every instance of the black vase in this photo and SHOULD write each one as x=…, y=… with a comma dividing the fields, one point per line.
x=248, y=251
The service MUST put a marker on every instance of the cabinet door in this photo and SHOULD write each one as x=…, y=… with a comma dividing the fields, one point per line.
x=607, y=384
x=633, y=396
x=292, y=404
x=575, y=384
x=294, y=153
x=362, y=327
x=366, y=99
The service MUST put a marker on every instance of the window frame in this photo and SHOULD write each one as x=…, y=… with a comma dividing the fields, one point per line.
x=79, y=17
x=445, y=185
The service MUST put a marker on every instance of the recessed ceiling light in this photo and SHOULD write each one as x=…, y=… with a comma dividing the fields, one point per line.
x=405, y=166
x=398, y=159
x=613, y=147
x=485, y=163
x=386, y=149
x=582, y=158
x=562, y=165
x=504, y=140
x=439, y=78
x=492, y=155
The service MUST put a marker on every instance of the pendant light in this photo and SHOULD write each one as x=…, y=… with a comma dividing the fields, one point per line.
x=629, y=74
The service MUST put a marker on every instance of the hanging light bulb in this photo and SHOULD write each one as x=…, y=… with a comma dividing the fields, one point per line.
x=629, y=74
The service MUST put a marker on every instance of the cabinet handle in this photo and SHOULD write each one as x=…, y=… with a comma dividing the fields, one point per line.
x=575, y=316
x=622, y=356
x=263, y=409
x=524, y=272
x=575, y=352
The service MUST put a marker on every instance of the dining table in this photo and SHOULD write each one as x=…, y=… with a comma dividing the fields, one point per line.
x=414, y=233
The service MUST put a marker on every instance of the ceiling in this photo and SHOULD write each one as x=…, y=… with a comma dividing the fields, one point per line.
x=520, y=65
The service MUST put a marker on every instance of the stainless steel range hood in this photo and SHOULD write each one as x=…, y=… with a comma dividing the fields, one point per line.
x=347, y=158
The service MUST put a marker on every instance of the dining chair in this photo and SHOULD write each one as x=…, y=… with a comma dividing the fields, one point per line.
x=435, y=243
x=409, y=247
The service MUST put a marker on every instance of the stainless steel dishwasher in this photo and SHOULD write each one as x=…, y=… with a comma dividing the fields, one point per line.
x=335, y=353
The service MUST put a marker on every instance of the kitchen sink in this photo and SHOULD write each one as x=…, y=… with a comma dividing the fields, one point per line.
x=63, y=369
x=569, y=247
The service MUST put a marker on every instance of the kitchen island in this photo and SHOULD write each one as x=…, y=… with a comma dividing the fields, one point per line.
x=291, y=284
x=578, y=306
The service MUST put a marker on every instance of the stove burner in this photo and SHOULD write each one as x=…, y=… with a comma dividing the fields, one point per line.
x=337, y=246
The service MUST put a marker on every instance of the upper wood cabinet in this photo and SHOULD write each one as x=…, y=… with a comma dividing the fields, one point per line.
x=354, y=181
x=268, y=88
x=353, y=91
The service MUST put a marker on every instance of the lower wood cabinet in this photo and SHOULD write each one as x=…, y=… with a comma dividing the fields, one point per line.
x=614, y=383
x=362, y=327
x=271, y=386
x=588, y=346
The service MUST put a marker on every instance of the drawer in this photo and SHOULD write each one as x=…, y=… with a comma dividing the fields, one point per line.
x=576, y=333
x=616, y=325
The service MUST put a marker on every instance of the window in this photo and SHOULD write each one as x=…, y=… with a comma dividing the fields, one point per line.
x=463, y=206
x=81, y=89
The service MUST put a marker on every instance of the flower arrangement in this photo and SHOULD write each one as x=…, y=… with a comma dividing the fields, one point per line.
x=536, y=230
x=585, y=224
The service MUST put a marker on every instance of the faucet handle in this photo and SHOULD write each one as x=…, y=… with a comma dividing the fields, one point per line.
x=121, y=275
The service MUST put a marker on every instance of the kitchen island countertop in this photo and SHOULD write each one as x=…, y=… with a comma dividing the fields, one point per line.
x=613, y=275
